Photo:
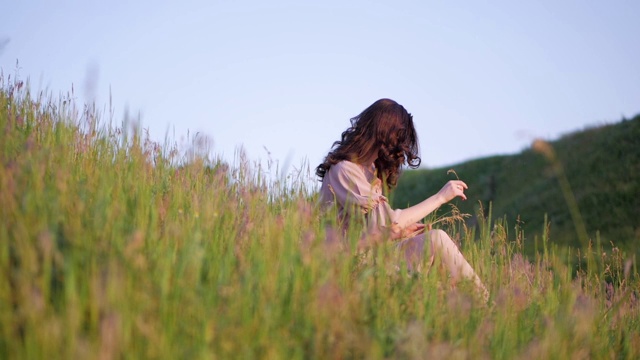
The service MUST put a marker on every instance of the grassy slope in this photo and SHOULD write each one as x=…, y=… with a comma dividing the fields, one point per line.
x=108, y=249
x=602, y=165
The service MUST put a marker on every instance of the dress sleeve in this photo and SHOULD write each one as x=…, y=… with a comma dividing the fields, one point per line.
x=352, y=189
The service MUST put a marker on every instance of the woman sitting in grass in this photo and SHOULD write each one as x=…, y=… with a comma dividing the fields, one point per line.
x=369, y=156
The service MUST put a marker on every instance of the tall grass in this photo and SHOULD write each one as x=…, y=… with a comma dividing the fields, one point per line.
x=114, y=246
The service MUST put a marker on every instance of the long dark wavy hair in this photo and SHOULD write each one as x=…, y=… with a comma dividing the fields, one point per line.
x=384, y=129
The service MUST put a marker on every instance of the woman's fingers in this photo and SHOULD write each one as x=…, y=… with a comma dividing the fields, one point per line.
x=416, y=226
x=459, y=184
x=460, y=187
x=455, y=188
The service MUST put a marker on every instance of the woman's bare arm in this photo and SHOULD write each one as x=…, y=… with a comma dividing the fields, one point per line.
x=417, y=212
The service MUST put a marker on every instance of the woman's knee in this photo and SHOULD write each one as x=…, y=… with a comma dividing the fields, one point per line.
x=438, y=237
x=441, y=240
x=437, y=233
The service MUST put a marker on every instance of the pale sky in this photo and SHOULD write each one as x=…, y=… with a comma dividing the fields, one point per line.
x=480, y=78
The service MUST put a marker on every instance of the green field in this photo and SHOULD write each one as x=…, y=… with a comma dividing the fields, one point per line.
x=113, y=246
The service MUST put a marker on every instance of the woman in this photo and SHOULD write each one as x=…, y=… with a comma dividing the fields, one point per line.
x=369, y=157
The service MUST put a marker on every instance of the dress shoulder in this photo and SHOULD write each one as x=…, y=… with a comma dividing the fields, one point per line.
x=347, y=171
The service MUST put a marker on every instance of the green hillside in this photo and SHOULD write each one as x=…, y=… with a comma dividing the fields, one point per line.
x=601, y=164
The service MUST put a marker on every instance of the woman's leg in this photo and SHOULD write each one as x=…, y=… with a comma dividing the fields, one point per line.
x=441, y=245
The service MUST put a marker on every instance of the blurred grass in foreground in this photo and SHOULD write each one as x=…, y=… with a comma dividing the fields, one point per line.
x=114, y=246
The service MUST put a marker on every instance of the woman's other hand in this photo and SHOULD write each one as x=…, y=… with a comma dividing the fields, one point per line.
x=398, y=233
x=413, y=229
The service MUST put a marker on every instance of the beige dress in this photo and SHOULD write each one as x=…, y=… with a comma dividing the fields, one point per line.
x=355, y=191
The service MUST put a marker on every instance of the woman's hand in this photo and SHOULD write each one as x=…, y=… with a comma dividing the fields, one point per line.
x=411, y=230
x=452, y=189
